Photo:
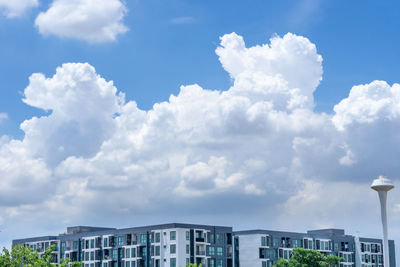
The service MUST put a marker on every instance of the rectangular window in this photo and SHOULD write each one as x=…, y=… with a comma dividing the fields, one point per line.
x=220, y=238
x=187, y=249
x=157, y=250
x=115, y=254
x=127, y=253
x=263, y=241
x=128, y=264
x=143, y=238
x=172, y=249
x=120, y=241
x=92, y=243
x=263, y=264
x=212, y=238
x=219, y=263
x=133, y=264
x=87, y=256
x=133, y=252
x=211, y=251
x=92, y=256
x=158, y=237
x=187, y=235
x=172, y=262
x=220, y=251
x=212, y=262
x=172, y=235
x=75, y=245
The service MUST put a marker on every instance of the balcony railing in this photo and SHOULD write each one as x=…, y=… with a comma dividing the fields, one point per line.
x=201, y=252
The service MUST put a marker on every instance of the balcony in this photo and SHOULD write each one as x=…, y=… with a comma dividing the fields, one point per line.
x=200, y=252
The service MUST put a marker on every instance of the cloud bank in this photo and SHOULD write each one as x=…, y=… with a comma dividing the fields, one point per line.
x=257, y=149
x=94, y=21
x=16, y=8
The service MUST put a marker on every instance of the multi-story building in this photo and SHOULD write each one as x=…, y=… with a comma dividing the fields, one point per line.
x=166, y=245
x=261, y=248
x=175, y=245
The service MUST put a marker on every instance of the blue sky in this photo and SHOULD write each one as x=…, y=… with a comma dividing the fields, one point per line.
x=358, y=41
x=277, y=124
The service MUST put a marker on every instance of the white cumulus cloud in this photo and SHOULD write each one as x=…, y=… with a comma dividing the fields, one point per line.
x=94, y=21
x=259, y=144
x=16, y=8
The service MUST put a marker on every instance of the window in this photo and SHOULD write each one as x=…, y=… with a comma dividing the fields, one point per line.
x=143, y=238
x=212, y=238
x=133, y=264
x=74, y=245
x=172, y=262
x=172, y=249
x=263, y=264
x=211, y=251
x=158, y=237
x=187, y=235
x=92, y=243
x=115, y=254
x=219, y=263
x=127, y=253
x=172, y=235
x=220, y=251
x=212, y=263
x=187, y=261
x=263, y=241
x=220, y=238
x=187, y=249
x=157, y=250
x=120, y=241
x=133, y=252
x=87, y=256
x=128, y=264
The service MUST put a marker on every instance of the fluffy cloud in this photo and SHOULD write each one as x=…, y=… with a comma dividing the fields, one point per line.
x=15, y=8
x=81, y=107
x=367, y=104
x=94, y=21
x=258, y=144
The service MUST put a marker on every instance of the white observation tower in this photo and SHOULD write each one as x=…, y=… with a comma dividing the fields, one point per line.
x=382, y=185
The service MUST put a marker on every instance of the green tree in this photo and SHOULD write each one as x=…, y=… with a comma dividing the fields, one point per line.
x=308, y=258
x=193, y=265
x=25, y=256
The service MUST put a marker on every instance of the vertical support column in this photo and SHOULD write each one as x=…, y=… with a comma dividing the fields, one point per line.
x=382, y=198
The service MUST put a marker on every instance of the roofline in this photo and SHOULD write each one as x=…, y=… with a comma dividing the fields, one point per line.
x=114, y=230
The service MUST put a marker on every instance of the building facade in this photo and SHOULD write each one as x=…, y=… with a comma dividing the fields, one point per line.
x=175, y=245
x=167, y=245
x=261, y=248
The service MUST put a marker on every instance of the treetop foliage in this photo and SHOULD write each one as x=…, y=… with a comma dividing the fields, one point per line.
x=308, y=258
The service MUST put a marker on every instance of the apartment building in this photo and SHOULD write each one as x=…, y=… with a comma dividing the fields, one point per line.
x=261, y=248
x=166, y=245
x=175, y=245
